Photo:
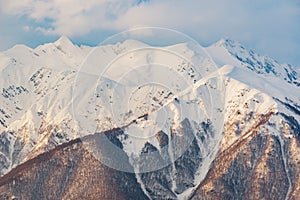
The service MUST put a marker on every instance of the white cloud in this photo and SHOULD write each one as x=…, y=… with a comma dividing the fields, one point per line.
x=77, y=17
x=26, y=28
x=256, y=22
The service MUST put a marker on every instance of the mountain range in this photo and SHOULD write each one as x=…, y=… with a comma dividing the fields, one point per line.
x=135, y=121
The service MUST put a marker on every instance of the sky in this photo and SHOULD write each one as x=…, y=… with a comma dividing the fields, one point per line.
x=269, y=27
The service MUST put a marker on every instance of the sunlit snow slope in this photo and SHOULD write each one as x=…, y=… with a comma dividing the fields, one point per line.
x=184, y=109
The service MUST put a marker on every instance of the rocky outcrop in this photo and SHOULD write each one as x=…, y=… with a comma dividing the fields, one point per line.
x=69, y=171
x=257, y=165
x=262, y=165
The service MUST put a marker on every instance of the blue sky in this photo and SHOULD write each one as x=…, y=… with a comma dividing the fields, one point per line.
x=269, y=27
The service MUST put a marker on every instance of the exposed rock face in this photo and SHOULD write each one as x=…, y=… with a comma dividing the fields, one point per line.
x=187, y=164
x=257, y=165
x=69, y=171
x=260, y=166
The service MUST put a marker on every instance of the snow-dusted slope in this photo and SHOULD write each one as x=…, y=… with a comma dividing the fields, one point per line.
x=233, y=53
x=172, y=101
x=278, y=81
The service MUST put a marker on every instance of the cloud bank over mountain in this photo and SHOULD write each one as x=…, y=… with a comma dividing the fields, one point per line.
x=261, y=25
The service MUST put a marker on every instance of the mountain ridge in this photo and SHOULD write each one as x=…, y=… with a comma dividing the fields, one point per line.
x=220, y=98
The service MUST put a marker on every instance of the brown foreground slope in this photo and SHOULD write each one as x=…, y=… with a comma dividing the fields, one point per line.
x=69, y=171
x=259, y=166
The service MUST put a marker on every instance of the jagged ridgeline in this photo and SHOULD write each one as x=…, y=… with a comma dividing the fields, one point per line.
x=237, y=141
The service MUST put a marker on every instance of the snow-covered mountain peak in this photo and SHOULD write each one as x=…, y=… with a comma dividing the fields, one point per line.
x=18, y=50
x=227, y=51
x=62, y=46
x=59, y=91
x=63, y=41
x=133, y=43
x=228, y=43
x=19, y=47
x=124, y=46
x=65, y=45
